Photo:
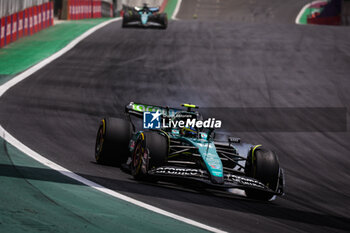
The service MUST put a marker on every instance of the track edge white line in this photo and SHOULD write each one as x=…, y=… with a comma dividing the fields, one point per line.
x=297, y=19
x=301, y=12
x=176, y=11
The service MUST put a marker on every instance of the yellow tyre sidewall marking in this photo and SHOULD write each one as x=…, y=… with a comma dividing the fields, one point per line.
x=253, y=159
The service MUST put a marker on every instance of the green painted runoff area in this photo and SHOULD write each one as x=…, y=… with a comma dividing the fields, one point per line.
x=30, y=50
x=35, y=198
x=170, y=7
x=306, y=13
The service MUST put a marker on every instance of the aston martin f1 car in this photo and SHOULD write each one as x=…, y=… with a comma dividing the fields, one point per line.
x=145, y=17
x=175, y=150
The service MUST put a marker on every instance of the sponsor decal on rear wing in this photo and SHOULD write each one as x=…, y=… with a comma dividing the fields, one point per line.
x=138, y=109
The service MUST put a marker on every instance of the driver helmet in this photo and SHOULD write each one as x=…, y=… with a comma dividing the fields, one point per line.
x=188, y=131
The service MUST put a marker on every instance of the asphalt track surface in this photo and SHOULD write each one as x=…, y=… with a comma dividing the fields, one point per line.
x=226, y=63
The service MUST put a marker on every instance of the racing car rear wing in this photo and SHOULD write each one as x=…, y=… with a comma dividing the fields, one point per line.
x=138, y=109
x=152, y=9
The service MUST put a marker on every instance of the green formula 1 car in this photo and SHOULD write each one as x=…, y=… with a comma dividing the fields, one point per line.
x=144, y=17
x=177, y=147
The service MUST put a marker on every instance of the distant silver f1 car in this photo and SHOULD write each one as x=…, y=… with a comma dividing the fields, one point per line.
x=144, y=17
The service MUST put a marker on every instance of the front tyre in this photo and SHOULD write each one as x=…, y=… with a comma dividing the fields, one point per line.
x=112, y=141
x=262, y=165
x=151, y=151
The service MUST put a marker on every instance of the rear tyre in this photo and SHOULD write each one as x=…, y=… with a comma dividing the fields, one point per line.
x=126, y=19
x=262, y=165
x=151, y=151
x=163, y=20
x=112, y=141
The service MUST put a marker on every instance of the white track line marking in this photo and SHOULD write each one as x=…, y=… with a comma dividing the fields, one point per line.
x=301, y=12
x=31, y=153
x=176, y=11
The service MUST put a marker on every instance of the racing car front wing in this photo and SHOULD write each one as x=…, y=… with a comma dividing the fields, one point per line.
x=230, y=180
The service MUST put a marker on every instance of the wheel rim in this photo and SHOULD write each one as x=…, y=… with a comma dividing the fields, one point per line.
x=99, y=143
x=137, y=155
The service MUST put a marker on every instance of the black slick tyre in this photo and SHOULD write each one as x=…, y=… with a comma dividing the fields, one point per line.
x=126, y=19
x=112, y=141
x=151, y=151
x=262, y=165
x=163, y=20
